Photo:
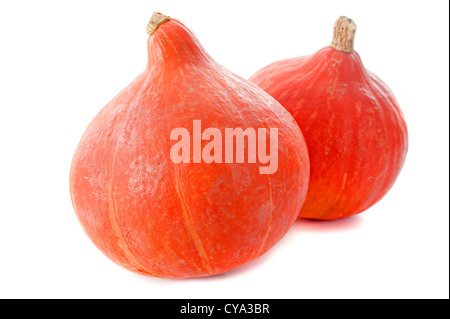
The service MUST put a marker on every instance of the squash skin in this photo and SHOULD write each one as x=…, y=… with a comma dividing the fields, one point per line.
x=169, y=220
x=355, y=131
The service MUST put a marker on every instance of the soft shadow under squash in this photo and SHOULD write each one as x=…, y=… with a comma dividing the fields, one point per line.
x=314, y=225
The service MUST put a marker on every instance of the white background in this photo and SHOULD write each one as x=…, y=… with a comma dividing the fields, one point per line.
x=62, y=61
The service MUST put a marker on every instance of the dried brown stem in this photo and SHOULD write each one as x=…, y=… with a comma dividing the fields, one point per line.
x=344, y=34
x=155, y=21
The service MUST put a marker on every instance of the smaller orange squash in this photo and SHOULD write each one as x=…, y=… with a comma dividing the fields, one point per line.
x=353, y=126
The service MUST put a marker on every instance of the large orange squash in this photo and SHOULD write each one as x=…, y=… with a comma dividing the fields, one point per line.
x=168, y=219
x=353, y=126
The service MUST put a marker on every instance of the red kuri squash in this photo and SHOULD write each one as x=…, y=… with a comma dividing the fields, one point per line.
x=355, y=131
x=191, y=218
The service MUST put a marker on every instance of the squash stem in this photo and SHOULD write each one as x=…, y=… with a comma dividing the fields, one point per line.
x=155, y=21
x=344, y=34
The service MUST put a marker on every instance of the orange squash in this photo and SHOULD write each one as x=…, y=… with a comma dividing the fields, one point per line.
x=355, y=131
x=162, y=218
